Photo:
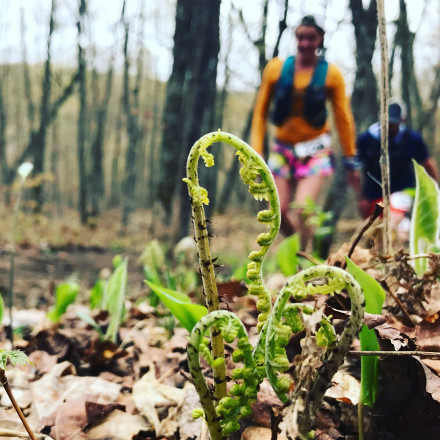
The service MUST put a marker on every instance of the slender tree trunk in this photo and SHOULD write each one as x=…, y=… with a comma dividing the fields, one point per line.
x=97, y=177
x=173, y=138
x=82, y=116
x=27, y=85
x=202, y=104
x=364, y=97
x=3, y=123
x=38, y=138
x=131, y=110
x=410, y=91
x=36, y=147
x=115, y=186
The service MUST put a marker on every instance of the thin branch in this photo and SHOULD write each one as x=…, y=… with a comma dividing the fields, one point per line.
x=384, y=92
x=378, y=209
x=398, y=302
x=425, y=354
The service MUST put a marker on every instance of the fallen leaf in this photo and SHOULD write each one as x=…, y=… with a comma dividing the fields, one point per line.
x=70, y=420
x=427, y=333
x=95, y=412
x=344, y=388
x=119, y=425
x=399, y=340
x=149, y=393
x=56, y=387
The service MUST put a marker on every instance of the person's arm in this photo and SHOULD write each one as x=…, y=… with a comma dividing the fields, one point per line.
x=345, y=126
x=343, y=116
x=422, y=155
x=262, y=104
x=431, y=168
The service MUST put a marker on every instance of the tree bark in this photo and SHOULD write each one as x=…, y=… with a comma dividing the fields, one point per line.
x=410, y=91
x=190, y=99
x=364, y=98
x=131, y=110
x=82, y=115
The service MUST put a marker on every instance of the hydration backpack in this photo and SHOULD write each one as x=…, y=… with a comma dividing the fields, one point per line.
x=315, y=111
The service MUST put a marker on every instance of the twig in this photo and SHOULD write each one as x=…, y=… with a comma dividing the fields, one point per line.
x=167, y=374
x=398, y=302
x=6, y=386
x=384, y=158
x=426, y=354
x=308, y=257
x=378, y=209
x=11, y=433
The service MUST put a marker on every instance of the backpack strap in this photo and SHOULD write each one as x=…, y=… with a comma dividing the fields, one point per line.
x=282, y=100
x=314, y=110
x=286, y=77
x=320, y=73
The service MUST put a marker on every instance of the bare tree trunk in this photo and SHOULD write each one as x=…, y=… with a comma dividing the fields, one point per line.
x=131, y=110
x=364, y=97
x=3, y=124
x=27, y=85
x=202, y=104
x=405, y=39
x=35, y=149
x=173, y=116
x=38, y=138
x=115, y=186
x=97, y=177
x=190, y=98
x=153, y=144
x=82, y=116
x=54, y=167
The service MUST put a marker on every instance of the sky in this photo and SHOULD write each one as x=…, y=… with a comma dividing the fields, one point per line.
x=158, y=29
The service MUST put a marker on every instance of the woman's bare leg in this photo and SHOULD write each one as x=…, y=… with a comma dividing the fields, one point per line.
x=285, y=190
x=308, y=187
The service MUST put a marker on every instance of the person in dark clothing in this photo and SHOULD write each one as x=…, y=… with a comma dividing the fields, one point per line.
x=404, y=145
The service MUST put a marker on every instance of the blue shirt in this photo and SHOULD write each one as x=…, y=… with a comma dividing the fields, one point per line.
x=403, y=147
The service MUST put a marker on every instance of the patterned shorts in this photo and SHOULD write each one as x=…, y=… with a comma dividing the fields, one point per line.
x=283, y=162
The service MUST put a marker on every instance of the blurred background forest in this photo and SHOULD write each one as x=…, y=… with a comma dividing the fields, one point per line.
x=106, y=98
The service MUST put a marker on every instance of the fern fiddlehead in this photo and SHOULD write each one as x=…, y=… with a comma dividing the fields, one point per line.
x=279, y=330
x=223, y=418
x=254, y=173
x=268, y=357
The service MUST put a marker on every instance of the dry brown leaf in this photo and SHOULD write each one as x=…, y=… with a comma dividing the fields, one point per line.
x=427, y=333
x=149, y=393
x=70, y=420
x=119, y=425
x=54, y=388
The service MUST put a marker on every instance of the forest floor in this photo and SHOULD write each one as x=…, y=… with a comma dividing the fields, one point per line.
x=50, y=251
x=83, y=388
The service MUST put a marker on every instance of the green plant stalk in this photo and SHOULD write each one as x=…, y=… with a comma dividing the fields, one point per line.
x=253, y=168
x=6, y=386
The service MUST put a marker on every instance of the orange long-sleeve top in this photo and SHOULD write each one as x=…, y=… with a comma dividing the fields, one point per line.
x=296, y=129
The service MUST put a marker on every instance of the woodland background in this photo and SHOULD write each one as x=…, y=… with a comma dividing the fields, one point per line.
x=109, y=130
